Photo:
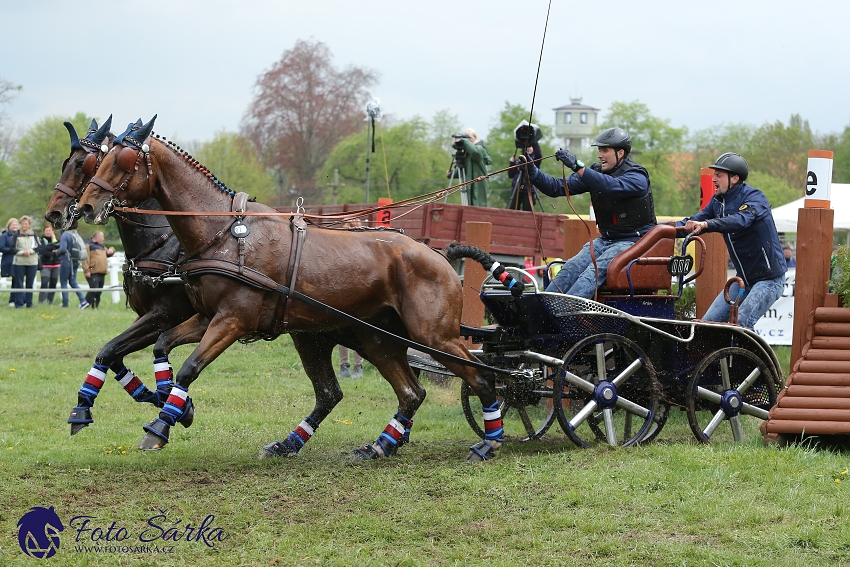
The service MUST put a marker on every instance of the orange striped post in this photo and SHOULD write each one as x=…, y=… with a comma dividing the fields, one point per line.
x=713, y=277
x=814, y=246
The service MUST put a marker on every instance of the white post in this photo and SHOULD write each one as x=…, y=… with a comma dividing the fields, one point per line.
x=115, y=263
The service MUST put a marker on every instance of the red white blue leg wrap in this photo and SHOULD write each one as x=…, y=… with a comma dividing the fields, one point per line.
x=395, y=434
x=134, y=386
x=493, y=430
x=164, y=374
x=295, y=440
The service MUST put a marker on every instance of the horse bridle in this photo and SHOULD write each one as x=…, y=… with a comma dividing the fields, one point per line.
x=90, y=165
x=128, y=159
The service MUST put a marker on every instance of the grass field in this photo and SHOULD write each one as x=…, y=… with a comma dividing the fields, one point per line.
x=546, y=502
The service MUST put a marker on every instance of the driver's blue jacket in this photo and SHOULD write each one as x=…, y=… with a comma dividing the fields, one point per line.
x=743, y=216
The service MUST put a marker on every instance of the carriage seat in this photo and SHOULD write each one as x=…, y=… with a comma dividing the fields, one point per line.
x=660, y=241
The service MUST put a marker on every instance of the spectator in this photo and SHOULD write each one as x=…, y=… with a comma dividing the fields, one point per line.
x=742, y=214
x=7, y=249
x=71, y=248
x=345, y=370
x=621, y=194
x=789, y=258
x=25, y=263
x=48, y=252
x=474, y=158
x=523, y=193
x=95, y=266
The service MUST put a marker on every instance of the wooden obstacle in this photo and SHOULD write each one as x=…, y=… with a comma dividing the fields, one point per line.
x=816, y=399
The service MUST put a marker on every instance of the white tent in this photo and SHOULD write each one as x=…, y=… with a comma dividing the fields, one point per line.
x=785, y=216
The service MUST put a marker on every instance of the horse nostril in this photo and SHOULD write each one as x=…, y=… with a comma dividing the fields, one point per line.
x=52, y=217
x=86, y=209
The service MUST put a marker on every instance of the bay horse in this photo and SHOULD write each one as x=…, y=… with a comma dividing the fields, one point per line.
x=151, y=249
x=244, y=264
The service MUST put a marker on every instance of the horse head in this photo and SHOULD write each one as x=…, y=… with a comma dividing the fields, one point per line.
x=77, y=170
x=125, y=175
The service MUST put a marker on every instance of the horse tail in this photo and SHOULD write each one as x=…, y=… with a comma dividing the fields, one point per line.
x=455, y=251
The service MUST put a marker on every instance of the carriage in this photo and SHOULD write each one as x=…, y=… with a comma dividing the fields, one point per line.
x=609, y=371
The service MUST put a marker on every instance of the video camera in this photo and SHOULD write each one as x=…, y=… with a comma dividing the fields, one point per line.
x=526, y=134
x=457, y=144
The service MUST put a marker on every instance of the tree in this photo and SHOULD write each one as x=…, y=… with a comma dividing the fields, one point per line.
x=234, y=160
x=35, y=167
x=415, y=163
x=8, y=91
x=841, y=159
x=301, y=108
x=443, y=126
x=654, y=140
x=782, y=151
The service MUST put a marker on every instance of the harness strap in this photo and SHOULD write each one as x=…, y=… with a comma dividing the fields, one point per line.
x=66, y=190
x=299, y=234
x=261, y=281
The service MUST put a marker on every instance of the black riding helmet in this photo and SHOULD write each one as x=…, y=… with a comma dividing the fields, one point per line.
x=616, y=138
x=733, y=164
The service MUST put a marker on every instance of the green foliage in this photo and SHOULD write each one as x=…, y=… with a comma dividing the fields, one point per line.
x=35, y=167
x=233, y=160
x=686, y=307
x=782, y=151
x=840, y=277
x=841, y=160
x=775, y=189
x=408, y=161
x=653, y=142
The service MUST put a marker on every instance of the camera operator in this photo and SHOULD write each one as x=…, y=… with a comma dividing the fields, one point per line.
x=473, y=158
x=622, y=200
x=523, y=195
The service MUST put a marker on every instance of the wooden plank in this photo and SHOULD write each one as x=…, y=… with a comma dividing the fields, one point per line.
x=809, y=427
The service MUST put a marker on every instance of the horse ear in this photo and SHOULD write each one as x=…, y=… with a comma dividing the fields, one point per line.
x=93, y=126
x=145, y=131
x=101, y=133
x=119, y=139
x=75, y=140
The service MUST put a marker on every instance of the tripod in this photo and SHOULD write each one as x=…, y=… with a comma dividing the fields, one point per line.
x=458, y=170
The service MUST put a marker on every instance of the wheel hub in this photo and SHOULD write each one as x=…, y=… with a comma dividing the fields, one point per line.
x=605, y=394
x=731, y=402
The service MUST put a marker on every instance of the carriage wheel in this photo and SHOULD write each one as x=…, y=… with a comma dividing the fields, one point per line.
x=727, y=385
x=612, y=390
x=658, y=421
x=525, y=401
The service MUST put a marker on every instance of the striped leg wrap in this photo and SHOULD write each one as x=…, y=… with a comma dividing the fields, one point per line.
x=134, y=386
x=164, y=378
x=92, y=385
x=295, y=440
x=493, y=430
x=396, y=433
x=176, y=405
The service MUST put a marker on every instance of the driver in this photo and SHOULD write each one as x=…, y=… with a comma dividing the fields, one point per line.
x=622, y=200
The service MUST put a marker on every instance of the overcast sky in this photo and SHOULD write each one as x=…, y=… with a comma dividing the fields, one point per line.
x=194, y=62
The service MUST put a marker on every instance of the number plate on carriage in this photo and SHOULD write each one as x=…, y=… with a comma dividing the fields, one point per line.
x=680, y=265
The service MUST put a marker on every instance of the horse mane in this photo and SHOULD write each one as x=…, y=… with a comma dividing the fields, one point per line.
x=190, y=159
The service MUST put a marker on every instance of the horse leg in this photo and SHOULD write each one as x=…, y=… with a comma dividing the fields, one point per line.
x=483, y=383
x=142, y=333
x=391, y=361
x=315, y=350
x=214, y=338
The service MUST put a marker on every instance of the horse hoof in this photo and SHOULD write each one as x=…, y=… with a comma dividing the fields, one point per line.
x=151, y=442
x=77, y=427
x=365, y=453
x=276, y=449
x=481, y=451
x=189, y=416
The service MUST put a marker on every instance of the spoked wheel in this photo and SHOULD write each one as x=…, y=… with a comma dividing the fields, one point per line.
x=525, y=401
x=658, y=421
x=612, y=390
x=727, y=385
